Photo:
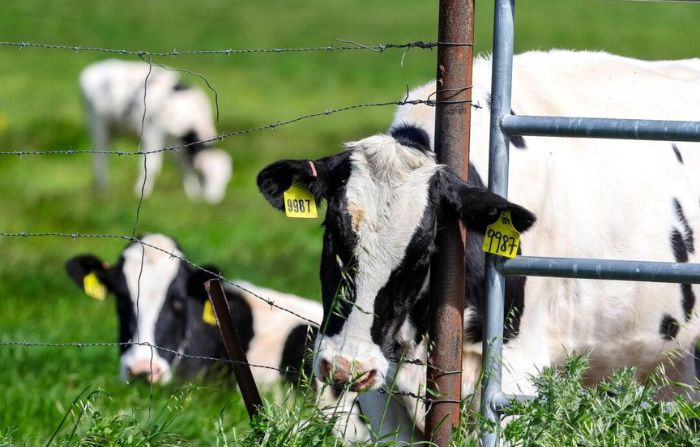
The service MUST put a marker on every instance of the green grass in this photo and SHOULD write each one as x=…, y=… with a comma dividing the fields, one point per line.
x=39, y=109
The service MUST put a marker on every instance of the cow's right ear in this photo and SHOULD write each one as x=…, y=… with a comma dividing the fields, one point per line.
x=321, y=177
x=90, y=274
x=195, y=283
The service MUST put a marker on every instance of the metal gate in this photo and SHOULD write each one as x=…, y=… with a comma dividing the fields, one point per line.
x=503, y=126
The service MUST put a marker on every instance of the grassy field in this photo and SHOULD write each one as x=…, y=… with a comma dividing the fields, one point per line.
x=40, y=109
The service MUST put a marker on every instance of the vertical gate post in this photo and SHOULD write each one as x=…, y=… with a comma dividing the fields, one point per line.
x=452, y=121
x=502, y=71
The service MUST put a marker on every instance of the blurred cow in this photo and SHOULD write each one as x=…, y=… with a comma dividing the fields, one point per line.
x=115, y=93
x=160, y=301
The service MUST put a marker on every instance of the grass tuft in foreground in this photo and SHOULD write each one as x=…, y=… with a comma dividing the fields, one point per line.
x=617, y=412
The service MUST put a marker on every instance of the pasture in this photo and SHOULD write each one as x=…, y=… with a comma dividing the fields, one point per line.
x=40, y=110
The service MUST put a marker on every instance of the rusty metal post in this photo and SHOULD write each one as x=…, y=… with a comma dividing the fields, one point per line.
x=452, y=121
x=241, y=369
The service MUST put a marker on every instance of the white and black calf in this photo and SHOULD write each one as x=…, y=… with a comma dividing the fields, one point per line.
x=115, y=93
x=160, y=302
x=593, y=198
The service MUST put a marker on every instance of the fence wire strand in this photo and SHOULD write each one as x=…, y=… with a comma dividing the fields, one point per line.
x=82, y=345
x=223, y=136
x=354, y=46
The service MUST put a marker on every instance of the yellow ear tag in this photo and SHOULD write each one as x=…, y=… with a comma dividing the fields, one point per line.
x=208, y=314
x=501, y=237
x=299, y=202
x=93, y=287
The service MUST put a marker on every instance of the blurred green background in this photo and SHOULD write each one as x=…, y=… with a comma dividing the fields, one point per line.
x=40, y=109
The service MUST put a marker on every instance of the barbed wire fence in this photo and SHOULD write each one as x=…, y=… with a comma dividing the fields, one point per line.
x=148, y=57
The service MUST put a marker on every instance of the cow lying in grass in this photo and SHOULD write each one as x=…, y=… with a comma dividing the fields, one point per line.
x=593, y=198
x=160, y=301
x=176, y=114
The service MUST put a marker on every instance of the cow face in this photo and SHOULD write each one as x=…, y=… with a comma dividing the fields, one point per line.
x=384, y=195
x=150, y=287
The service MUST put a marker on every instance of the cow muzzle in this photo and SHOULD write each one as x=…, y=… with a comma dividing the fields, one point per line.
x=342, y=373
x=153, y=370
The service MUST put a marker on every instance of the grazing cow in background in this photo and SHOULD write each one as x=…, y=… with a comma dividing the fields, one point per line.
x=593, y=198
x=115, y=93
x=161, y=301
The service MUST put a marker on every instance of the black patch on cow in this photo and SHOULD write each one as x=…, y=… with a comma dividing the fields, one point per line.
x=401, y=293
x=125, y=307
x=669, y=327
x=192, y=143
x=297, y=353
x=680, y=250
x=680, y=253
x=181, y=85
x=677, y=151
x=688, y=235
x=412, y=136
x=688, y=300
x=170, y=325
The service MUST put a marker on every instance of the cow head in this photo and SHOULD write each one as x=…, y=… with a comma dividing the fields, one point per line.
x=150, y=287
x=384, y=196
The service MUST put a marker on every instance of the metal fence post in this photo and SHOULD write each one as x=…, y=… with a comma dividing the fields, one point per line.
x=241, y=369
x=452, y=121
x=502, y=70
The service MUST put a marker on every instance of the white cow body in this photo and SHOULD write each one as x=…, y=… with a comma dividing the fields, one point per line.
x=593, y=198
x=115, y=94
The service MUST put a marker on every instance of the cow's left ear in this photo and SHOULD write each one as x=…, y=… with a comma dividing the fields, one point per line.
x=477, y=207
x=91, y=274
x=321, y=177
x=195, y=283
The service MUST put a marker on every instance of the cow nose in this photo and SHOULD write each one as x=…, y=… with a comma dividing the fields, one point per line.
x=146, y=369
x=341, y=373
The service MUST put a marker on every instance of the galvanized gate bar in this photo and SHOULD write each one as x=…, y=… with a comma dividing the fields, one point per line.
x=561, y=126
x=602, y=269
x=502, y=70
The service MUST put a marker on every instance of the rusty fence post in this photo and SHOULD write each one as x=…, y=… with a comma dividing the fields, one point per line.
x=241, y=369
x=452, y=121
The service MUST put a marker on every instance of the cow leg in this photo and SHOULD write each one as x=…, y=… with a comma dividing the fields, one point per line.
x=190, y=181
x=99, y=134
x=150, y=165
x=389, y=420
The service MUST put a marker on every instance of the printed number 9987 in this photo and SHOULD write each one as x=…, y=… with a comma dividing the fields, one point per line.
x=299, y=205
x=503, y=243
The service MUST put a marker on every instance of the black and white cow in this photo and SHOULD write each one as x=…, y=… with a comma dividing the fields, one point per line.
x=114, y=99
x=160, y=300
x=593, y=198
x=162, y=303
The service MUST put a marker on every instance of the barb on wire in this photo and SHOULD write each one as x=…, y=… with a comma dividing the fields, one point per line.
x=215, y=275
x=221, y=137
x=355, y=46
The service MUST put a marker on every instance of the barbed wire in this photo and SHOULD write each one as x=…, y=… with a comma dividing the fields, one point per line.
x=81, y=345
x=354, y=46
x=223, y=136
x=125, y=237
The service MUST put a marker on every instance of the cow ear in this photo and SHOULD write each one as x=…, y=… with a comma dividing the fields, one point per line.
x=321, y=177
x=195, y=283
x=477, y=207
x=90, y=274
